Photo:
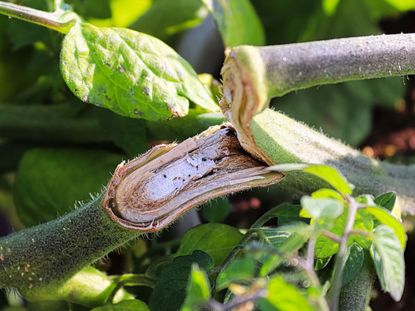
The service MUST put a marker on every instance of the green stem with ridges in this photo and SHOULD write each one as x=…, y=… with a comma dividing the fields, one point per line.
x=285, y=140
x=72, y=123
x=355, y=296
x=59, y=20
x=40, y=259
x=253, y=75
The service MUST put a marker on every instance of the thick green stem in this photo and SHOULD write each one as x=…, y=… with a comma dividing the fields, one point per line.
x=75, y=123
x=42, y=257
x=58, y=21
x=285, y=68
x=284, y=140
x=145, y=194
x=253, y=75
x=62, y=123
x=355, y=296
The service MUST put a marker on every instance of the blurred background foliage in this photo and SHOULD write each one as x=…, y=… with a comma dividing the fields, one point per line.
x=55, y=150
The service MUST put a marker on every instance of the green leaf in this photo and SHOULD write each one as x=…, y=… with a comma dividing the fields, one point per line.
x=386, y=200
x=123, y=13
x=327, y=194
x=387, y=255
x=402, y=5
x=129, y=305
x=331, y=176
x=321, y=263
x=269, y=265
x=159, y=21
x=198, y=290
x=240, y=269
x=282, y=296
x=284, y=210
x=89, y=9
x=216, y=210
x=288, y=238
x=354, y=263
x=321, y=208
x=130, y=73
x=217, y=240
x=237, y=22
x=327, y=173
x=384, y=217
x=170, y=290
x=50, y=181
x=326, y=247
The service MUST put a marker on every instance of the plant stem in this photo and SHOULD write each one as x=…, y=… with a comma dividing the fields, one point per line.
x=284, y=140
x=59, y=22
x=310, y=252
x=40, y=257
x=312, y=276
x=62, y=123
x=253, y=75
x=285, y=68
x=38, y=260
x=341, y=256
x=355, y=296
x=76, y=123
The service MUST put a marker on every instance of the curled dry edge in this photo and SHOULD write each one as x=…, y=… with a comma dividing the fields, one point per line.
x=148, y=193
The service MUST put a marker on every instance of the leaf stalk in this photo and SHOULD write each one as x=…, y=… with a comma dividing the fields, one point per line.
x=59, y=20
x=341, y=256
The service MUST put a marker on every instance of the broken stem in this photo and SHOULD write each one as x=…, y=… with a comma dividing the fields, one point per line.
x=144, y=195
x=253, y=75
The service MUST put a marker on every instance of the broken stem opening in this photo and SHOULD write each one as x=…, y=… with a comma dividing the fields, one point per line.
x=137, y=200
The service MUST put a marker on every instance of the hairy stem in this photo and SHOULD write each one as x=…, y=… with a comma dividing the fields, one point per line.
x=284, y=140
x=58, y=21
x=355, y=296
x=341, y=256
x=42, y=256
x=253, y=75
x=144, y=195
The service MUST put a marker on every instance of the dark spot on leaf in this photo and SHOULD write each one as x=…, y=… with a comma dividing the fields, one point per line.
x=138, y=112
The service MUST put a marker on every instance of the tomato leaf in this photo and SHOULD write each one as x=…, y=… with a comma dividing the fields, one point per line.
x=321, y=208
x=50, y=181
x=238, y=270
x=217, y=240
x=283, y=296
x=198, y=289
x=129, y=305
x=354, y=263
x=386, y=200
x=387, y=255
x=237, y=22
x=170, y=290
x=130, y=73
x=384, y=217
x=327, y=173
